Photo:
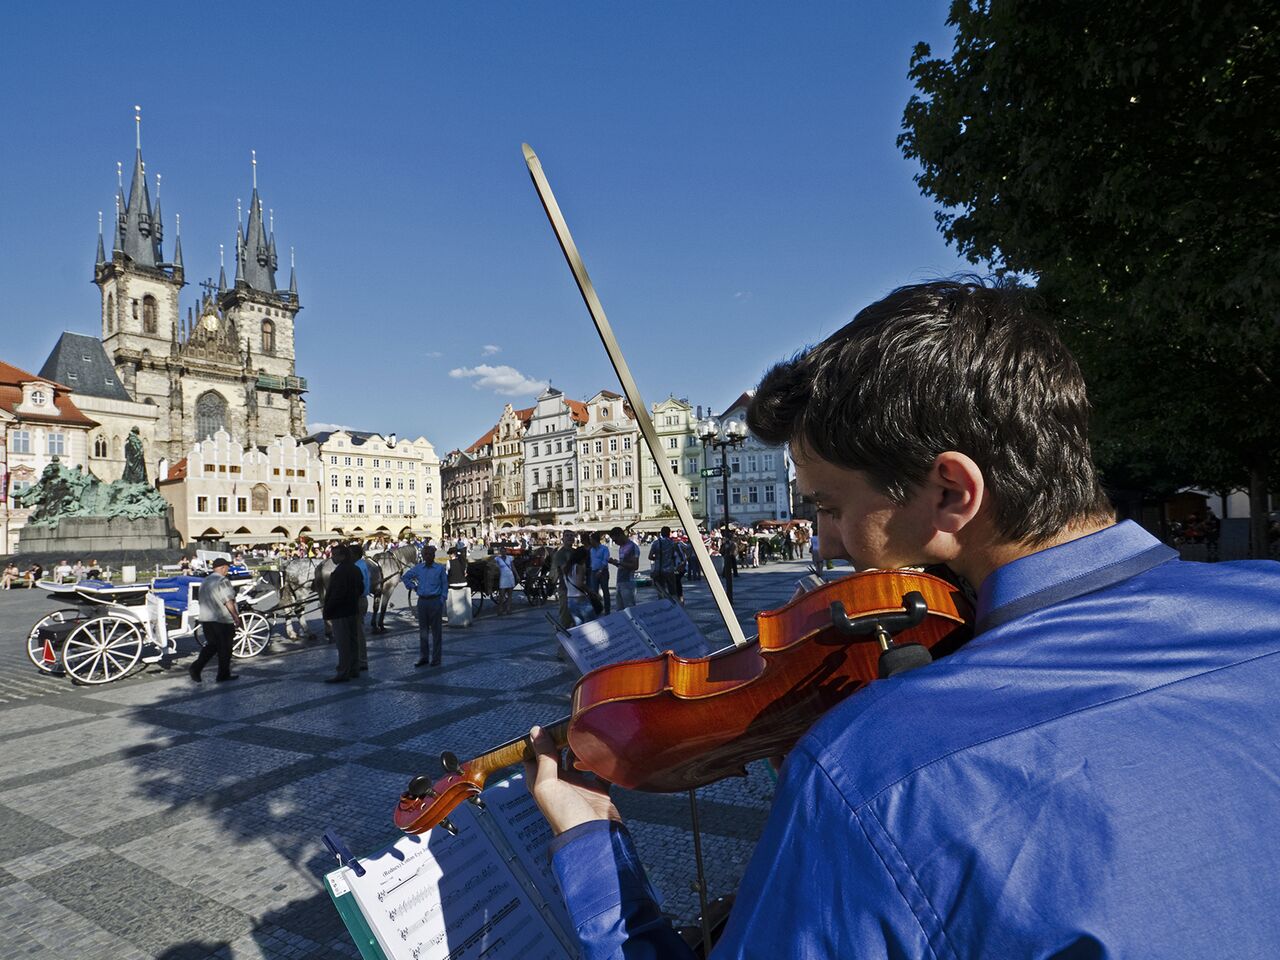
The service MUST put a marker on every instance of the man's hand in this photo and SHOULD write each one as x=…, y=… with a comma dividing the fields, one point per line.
x=566, y=796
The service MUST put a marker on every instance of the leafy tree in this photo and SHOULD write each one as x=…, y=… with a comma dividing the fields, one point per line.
x=1125, y=155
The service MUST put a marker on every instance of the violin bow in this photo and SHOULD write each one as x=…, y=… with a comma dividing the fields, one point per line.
x=632, y=392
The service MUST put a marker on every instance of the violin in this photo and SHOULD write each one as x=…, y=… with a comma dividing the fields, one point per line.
x=666, y=724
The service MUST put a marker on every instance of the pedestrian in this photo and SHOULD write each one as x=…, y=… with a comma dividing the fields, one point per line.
x=559, y=563
x=219, y=620
x=506, y=580
x=458, y=604
x=342, y=613
x=815, y=554
x=362, y=647
x=600, y=571
x=430, y=581
x=577, y=591
x=662, y=564
x=627, y=563
x=10, y=575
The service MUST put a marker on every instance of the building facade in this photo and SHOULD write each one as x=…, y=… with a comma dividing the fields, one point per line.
x=675, y=421
x=550, y=467
x=377, y=485
x=223, y=491
x=41, y=421
x=608, y=456
x=507, y=491
x=230, y=365
x=759, y=486
x=466, y=478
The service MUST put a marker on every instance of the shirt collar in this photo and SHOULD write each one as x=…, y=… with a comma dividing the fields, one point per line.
x=1067, y=570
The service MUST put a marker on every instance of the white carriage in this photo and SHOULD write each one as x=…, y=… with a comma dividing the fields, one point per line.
x=107, y=631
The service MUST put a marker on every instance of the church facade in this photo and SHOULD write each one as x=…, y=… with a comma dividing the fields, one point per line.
x=230, y=363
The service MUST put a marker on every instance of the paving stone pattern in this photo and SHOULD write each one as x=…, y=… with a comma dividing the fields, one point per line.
x=153, y=818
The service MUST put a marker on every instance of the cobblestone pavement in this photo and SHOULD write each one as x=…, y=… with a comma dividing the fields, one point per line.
x=153, y=818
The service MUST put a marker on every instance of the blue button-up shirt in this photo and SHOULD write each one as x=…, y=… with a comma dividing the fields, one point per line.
x=363, y=566
x=429, y=582
x=1093, y=775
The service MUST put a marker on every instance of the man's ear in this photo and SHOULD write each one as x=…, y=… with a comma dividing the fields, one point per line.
x=958, y=491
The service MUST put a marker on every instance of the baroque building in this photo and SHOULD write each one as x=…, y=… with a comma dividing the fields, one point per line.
x=550, y=463
x=758, y=476
x=608, y=448
x=508, y=508
x=230, y=364
x=675, y=421
x=466, y=476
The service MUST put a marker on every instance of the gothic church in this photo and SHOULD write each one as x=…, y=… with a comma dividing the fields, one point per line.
x=230, y=363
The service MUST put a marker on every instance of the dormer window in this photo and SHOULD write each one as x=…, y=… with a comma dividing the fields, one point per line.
x=39, y=398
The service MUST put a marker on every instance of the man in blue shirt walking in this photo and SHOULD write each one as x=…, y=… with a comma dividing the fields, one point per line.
x=430, y=581
x=1089, y=777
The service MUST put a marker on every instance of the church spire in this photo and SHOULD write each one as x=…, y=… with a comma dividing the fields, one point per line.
x=138, y=241
x=259, y=270
x=293, y=278
x=177, y=240
x=102, y=256
x=222, y=269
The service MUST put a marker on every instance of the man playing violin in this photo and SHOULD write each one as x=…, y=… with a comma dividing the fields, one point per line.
x=1084, y=778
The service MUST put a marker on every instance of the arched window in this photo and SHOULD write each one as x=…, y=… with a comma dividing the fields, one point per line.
x=111, y=312
x=100, y=447
x=268, y=338
x=211, y=414
x=148, y=314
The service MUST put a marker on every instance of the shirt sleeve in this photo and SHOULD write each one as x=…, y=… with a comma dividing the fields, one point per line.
x=614, y=909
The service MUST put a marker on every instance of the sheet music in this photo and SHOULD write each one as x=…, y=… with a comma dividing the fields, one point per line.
x=667, y=626
x=511, y=809
x=437, y=897
x=605, y=640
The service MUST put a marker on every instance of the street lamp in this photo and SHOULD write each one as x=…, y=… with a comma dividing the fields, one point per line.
x=723, y=436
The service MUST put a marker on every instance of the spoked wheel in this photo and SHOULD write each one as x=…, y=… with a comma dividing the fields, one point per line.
x=102, y=649
x=43, y=650
x=252, y=637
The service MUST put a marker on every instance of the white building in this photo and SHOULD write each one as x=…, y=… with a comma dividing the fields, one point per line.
x=608, y=455
x=508, y=508
x=223, y=491
x=377, y=485
x=550, y=467
x=40, y=421
x=758, y=476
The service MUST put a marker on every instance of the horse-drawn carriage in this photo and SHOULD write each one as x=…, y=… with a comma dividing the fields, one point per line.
x=106, y=631
x=531, y=572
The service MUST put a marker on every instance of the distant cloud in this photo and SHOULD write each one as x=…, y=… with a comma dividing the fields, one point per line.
x=505, y=380
x=326, y=427
x=490, y=349
x=434, y=353
x=742, y=295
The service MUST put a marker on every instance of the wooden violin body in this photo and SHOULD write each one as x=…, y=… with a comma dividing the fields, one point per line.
x=667, y=724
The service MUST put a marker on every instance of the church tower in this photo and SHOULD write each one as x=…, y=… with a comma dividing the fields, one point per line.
x=264, y=316
x=139, y=288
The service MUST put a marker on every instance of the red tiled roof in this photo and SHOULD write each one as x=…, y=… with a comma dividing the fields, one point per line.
x=177, y=472
x=483, y=440
x=11, y=380
x=577, y=410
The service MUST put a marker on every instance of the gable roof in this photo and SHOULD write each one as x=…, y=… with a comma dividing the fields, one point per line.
x=177, y=472
x=577, y=410
x=81, y=362
x=487, y=438
x=742, y=402
x=11, y=380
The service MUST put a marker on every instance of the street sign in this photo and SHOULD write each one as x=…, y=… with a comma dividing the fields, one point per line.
x=713, y=471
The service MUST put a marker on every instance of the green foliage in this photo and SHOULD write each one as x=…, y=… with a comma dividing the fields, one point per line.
x=1125, y=155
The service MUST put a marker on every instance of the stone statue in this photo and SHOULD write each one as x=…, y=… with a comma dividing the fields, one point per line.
x=63, y=492
x=135, y=464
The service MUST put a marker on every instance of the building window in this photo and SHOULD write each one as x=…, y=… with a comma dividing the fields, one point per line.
x=111, y=312
x=57, y=443
x=411, y=482
x=100, y=448
x=346, y=461
x=599, y=502
x=413, y=507
x=268, y=338
x=211, y=414
x=399, y=483
x=628, y=501
x=333, y=459
x=673, y=443
x=599, y=446
x=377, y=506
x=359, y=461
x=735, y=465
x=626, y=468
x=768, y=461
x=222, y=504
x=202, y=504
x=613, y=468
x=148, y=314
x=347, y=504
x=769, y=494
x=691, y=465
x=360, y=482
x=360, y=505
x=626, y=443
x=346, y=480
x=752, y=463
x=242, y=504
x=134, y=306
x=400, y=504
x=568, y=497
x=599, y=471
x=655, y=496
x=613, y=444
x=719, y=496
x=753, y=494
x=277, y=505
x=293, y=506
x=333, y=479
x=674, y=465
x=736, y=495
x=613, y=501
x=333, y=506
x=311, y=506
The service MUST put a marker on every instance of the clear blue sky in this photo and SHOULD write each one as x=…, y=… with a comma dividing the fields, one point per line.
x=728, y=170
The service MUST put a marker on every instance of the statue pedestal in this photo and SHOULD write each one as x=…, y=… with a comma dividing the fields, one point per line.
x=77, y=536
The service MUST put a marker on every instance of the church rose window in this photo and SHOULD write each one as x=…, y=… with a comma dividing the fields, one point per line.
x=148, y=314
x=211, y=414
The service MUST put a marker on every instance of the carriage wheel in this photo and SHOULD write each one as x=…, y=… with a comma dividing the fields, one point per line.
x=252, y=637
x=102, y=649
x=35, y=645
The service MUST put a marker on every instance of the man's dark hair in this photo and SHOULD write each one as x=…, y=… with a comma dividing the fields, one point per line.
x=341, y=554
x=357, y=551
x=940, y=366
x=665, y=532
x=617, y=535
x=428, y=554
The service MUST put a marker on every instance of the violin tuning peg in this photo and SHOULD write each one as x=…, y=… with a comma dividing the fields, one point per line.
x=449, y=761
x=478, y=802
x=449, y=828
x=419, y=787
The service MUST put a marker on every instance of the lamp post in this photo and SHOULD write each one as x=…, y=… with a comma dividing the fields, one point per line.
x=723, y=436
